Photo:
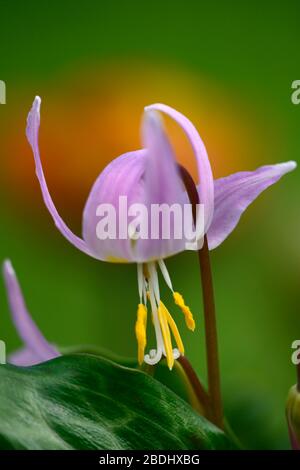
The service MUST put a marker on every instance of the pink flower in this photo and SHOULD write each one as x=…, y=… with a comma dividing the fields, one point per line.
x=150, y=176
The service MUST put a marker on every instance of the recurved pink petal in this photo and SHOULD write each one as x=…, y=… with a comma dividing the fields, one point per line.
x=32, y=133
x=234, y=193
x=206, y=191
x=37, y=347
x=163, y=188
x=24, y=357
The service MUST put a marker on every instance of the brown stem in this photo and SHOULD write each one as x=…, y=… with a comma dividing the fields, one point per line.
x=213, y=368
x=212, y=357
x=198, y=388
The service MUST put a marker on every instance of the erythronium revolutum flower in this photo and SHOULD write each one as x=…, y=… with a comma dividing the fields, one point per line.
x=150, y=176
x=37, y=349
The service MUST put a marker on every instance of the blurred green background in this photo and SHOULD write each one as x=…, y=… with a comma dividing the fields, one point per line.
x=227, y=65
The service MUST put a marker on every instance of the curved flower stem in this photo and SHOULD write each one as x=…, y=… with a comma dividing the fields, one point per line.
x=195, y=400
x=213, y=368
x=212, y=357
x=298, y=377
x=196, y=385
x=197, y=396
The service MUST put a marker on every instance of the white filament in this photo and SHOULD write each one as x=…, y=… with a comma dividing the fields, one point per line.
x=154, y=280
x=140, y=277
x=155, y=355
x=152, y=285
x=165, y=274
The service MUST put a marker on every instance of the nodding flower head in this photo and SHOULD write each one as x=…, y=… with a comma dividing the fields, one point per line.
x=36, y=348
x=150, y=176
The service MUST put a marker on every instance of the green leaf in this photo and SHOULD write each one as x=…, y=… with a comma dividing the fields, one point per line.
x=87, y=402
x=161, y=371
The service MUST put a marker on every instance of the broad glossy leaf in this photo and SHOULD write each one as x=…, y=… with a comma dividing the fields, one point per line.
x=85, y=402
x=161, y=370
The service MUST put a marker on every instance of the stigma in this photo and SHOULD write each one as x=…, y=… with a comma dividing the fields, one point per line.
x=165, y=327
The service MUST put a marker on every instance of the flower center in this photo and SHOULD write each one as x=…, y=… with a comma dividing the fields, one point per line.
x=163, y=322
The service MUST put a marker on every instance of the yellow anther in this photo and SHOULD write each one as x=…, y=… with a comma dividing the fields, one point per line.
x=189, y=320
x=174, y=329
x=140, y=331
x=166, y=334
